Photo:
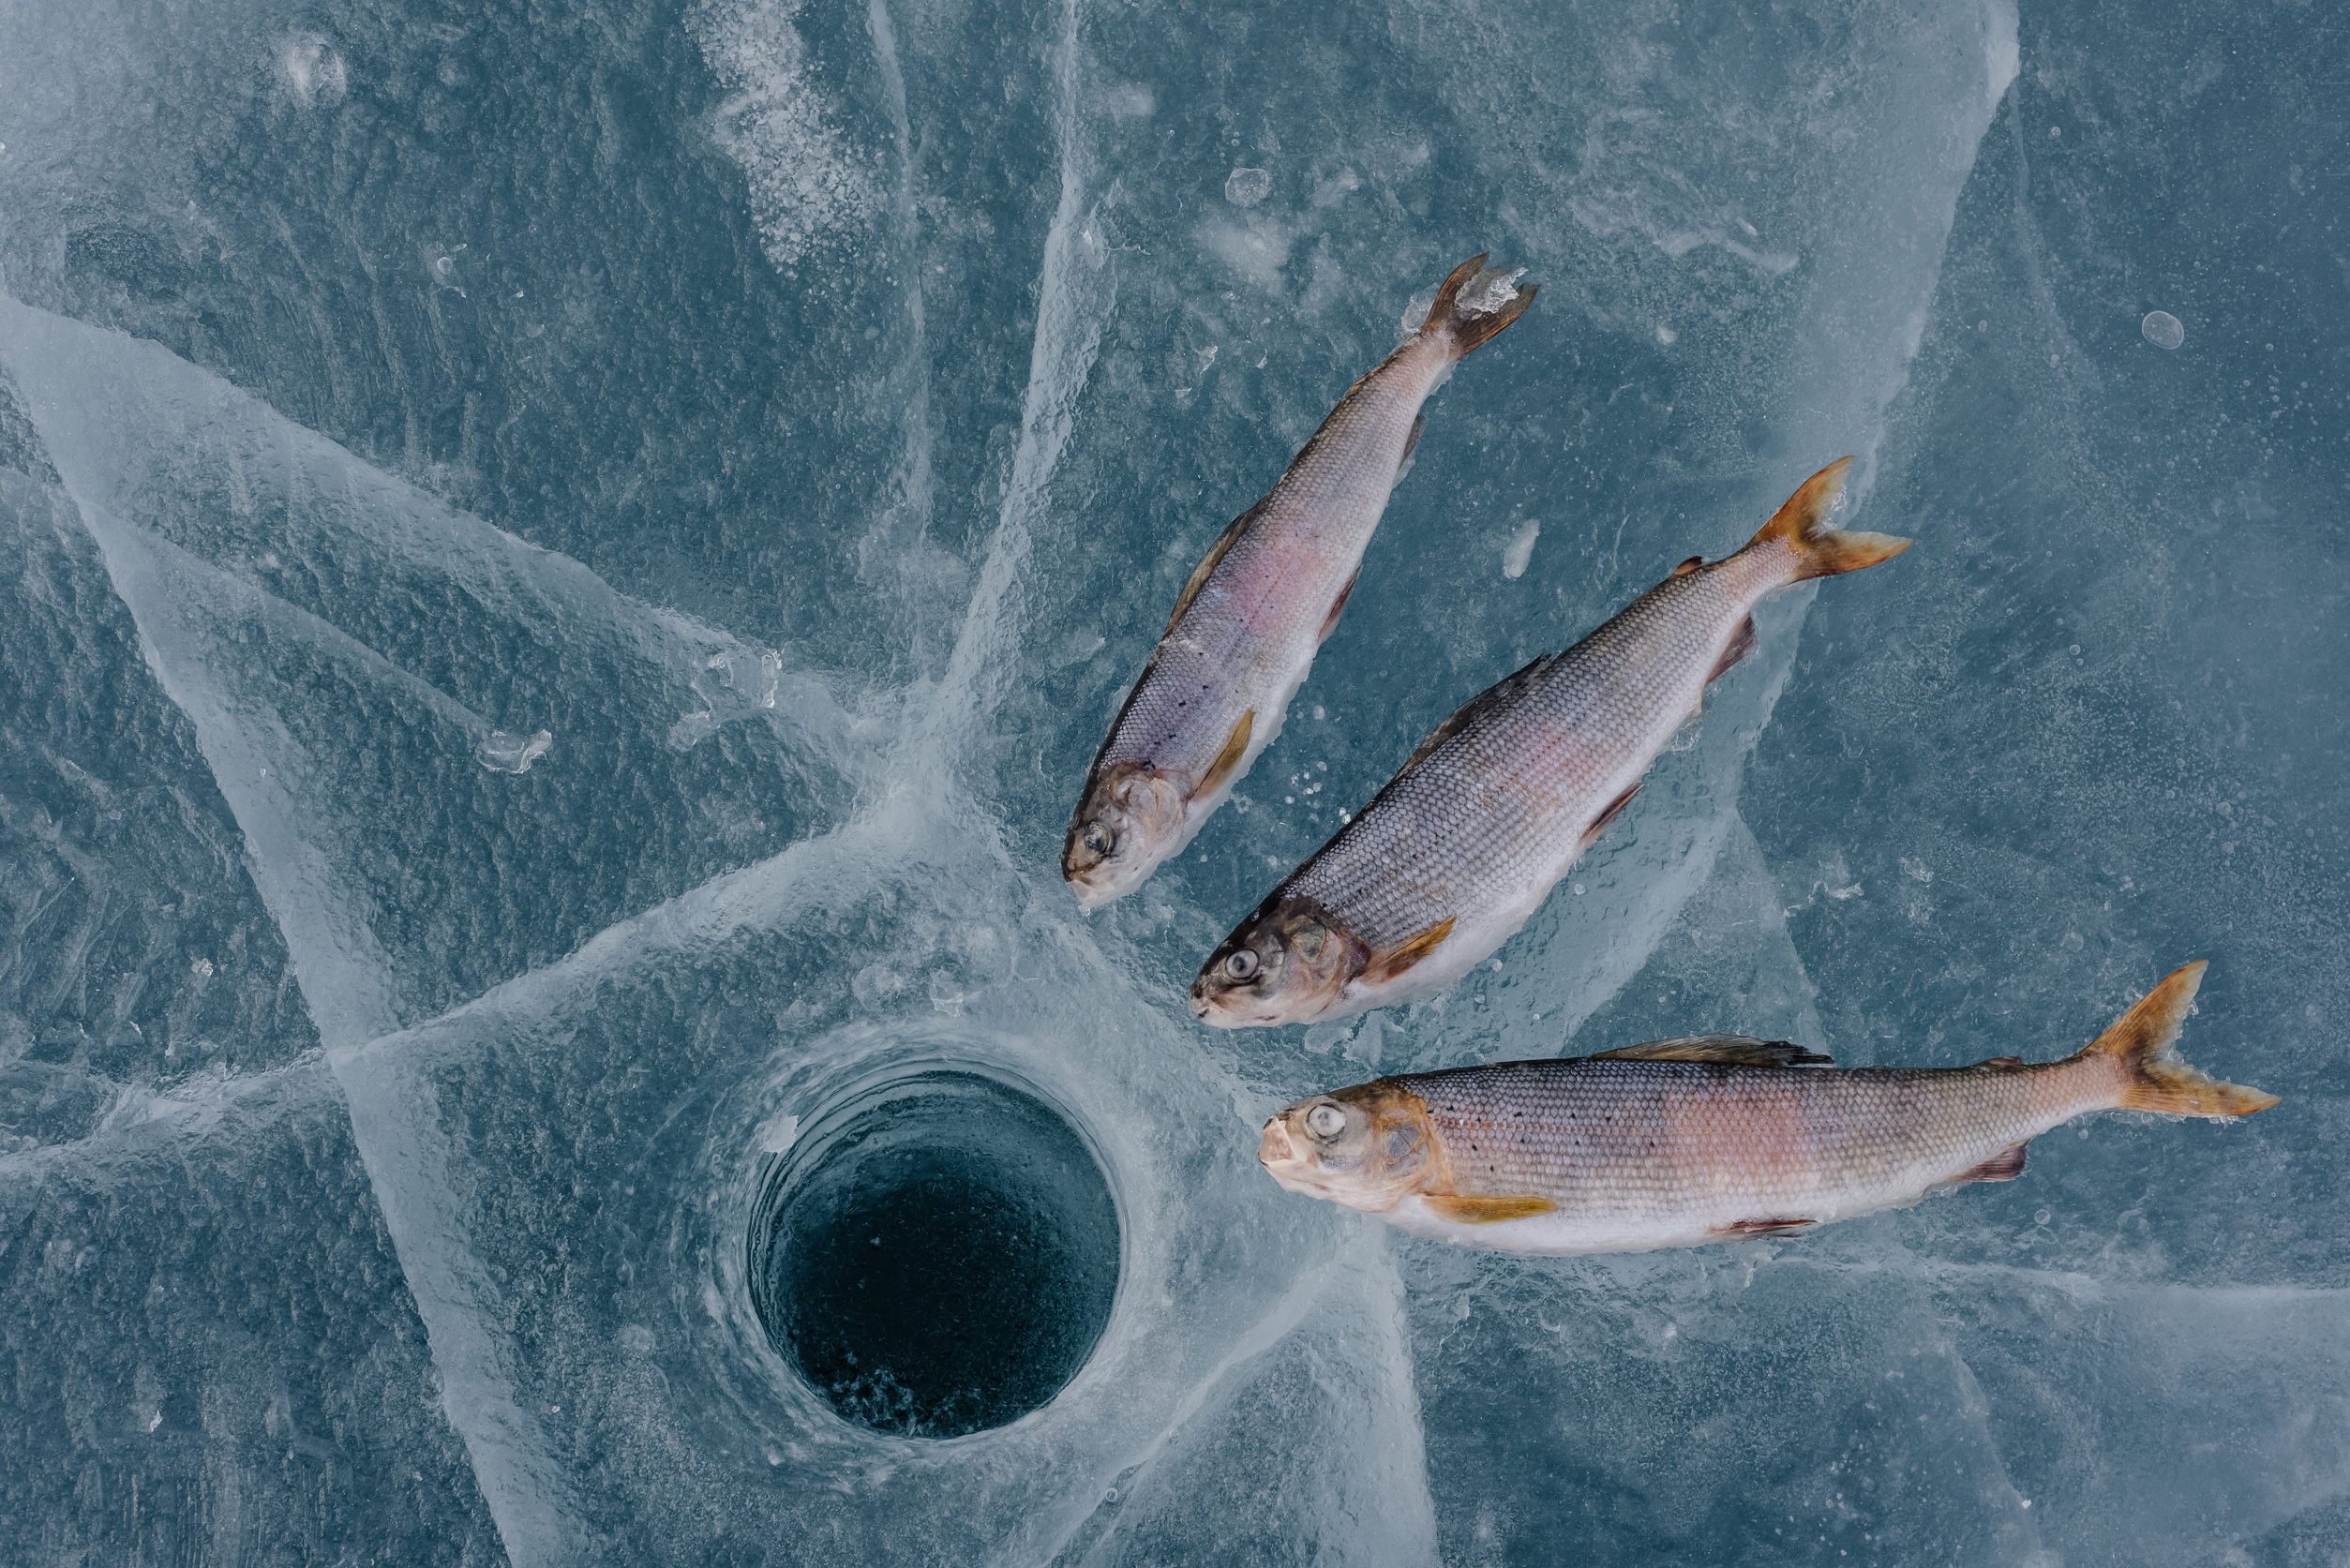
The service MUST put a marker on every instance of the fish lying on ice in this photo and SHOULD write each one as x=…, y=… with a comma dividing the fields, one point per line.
x=1246, y=626
x=1713, y=1138
x=1485, y=817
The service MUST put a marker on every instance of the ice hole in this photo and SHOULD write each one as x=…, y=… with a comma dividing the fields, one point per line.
x=936, y=1256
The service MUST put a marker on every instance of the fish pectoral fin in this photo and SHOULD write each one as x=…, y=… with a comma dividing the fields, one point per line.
x=1742, y=642
x=2005, y=1166
x=1599, y=823
x=1744, y=1050
x=1338, y=607
x=1488, y=1211
x=1746, y=1230
x=1219, y=772
x=1395, y=960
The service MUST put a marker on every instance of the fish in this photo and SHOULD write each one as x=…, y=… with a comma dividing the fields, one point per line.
x=1711, y=1139
x=1259, y=604
x=1491, y=809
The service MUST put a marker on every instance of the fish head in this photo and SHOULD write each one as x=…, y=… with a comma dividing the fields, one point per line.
x=1286, y=964
x=1130, y=819
x=1367, y=1148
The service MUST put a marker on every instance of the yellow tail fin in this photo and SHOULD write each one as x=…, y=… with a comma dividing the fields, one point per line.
x=2160, y=1079
x=1819, y=551
x=1475, y=301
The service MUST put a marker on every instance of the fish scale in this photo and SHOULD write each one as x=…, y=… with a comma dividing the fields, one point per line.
x=1715, y=1137
x=1505, y=803
x=1644, y=1141
x=1245, y=629
x=1482, y=821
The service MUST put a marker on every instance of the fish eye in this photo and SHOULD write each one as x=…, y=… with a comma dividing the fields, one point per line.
x=1098, y=839
x=1325, y=1121
x=1242, y=964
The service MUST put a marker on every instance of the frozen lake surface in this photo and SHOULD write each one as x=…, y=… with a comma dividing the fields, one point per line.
x=563, y=567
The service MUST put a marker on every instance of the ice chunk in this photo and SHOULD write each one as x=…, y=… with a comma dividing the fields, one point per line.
x=1246, y=187
x=2163, y=329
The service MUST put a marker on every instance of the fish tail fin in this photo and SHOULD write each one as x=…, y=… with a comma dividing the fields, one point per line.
x=2159, y=1079
x=1801, y=529
x=1475, y=301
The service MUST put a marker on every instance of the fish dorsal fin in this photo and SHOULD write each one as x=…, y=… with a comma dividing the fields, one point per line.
x=1686, y=567
x=1387, y=965
x=2008, y=1063
x=1744, y=1050
x=1235, y=747
x=1494, y=699
x=1208, y=562
x=1488, y=1211
x=2005, y=1166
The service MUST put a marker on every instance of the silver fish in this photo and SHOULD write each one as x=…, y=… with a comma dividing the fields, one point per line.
x=1714, y=1138
x=1246, y=626
x=1485, y=817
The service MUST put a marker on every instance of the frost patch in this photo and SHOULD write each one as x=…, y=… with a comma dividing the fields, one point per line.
x=310, y=71
x=804, y=181
x=513, y=753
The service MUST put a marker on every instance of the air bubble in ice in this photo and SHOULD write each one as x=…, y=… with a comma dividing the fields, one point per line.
x=1521, y=549
x=1246, y=187
x=937, y=1257
x=2163, y=329
x=513, y=753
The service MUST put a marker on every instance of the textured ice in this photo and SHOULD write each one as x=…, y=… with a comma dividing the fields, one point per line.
x=489, y=751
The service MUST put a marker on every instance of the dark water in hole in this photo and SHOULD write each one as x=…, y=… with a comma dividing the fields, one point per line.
x=944, y=1264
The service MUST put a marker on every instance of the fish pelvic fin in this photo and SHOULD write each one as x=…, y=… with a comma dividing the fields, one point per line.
x=1385, y=966
x=1235, y=747
x=1801, y=528
x=2005, y=1166
x=2159, y=1079
x=1488, y=1211
x=1475, y=301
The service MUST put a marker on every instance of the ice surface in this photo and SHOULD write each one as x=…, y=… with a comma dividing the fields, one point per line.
x=564, y=568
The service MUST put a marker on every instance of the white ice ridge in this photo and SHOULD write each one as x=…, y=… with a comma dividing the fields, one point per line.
x=805, y=182
x=165, y=446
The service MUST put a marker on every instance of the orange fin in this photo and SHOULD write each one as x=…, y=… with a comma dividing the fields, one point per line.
x=1742, y=642
x=1338, y=607
x=1743, y=1049
x=1599, y=823
x=1387, y=965
x=1493, y=302
x=1686, y=567
x=2005, y=1166
x=1746, y=1230
x=1229, y=758
x=2159, y=1080
x=1801, y=528
x=1488, y=1211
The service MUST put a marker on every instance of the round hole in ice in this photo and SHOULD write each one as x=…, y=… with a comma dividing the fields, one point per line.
x=936, y=1256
